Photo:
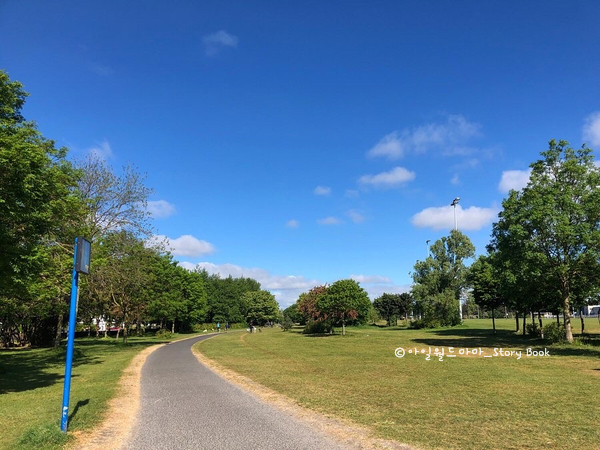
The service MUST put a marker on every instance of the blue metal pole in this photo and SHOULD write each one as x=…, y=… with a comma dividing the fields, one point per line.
x=70, y=346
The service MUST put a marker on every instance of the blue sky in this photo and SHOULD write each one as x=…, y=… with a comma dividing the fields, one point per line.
x=304, y=142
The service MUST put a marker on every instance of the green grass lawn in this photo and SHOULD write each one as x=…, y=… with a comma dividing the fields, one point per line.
x=31, y=388
x=464, y=402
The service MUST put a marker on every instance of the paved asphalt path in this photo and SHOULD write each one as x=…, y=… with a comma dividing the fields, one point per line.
x=184, y=405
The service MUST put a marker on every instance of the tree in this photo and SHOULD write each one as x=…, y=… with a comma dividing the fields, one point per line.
x=440, y=279
x=485, y=282
x=113, y=203
x=262, y=307
x=37, y=210
x=345, y=301
x=556, y=218
x=405, y=304
x=294, y=314
x=388, y=306
x=307, y=304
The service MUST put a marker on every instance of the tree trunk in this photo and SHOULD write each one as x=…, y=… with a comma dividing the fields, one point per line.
x=173, y=327
x=493, y=321
x=59, y=326
x=125, y=334
x=557, y=317
x=343, y=328
x=567, y=319
x=118, y=331
x=582, y=322
x=540, y=320
x=524, y=321
x=517, y=321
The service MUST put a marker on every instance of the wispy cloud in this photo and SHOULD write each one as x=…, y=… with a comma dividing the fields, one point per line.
x=455, y=180
x=591, y=129
x=442, y=217
x=215, y=42
x=329, y=221
x=160, y=208
x=292, y=223
x=449, y=138
x=322, y=190
x=398, y=176
x=370, y=279
x=514, y=179
x=100, y=69
x=101, y=150
x=186, y=245
x=355, y=216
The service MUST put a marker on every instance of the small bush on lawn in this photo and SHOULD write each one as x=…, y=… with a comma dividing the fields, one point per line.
x=164, y=334
x=554, y=333
x=320, y=327
x=534, y=330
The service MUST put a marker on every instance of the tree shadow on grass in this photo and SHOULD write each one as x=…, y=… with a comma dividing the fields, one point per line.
x=473, y=338
x=27, y=369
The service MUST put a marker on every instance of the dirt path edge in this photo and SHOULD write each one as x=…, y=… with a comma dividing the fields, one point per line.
x=343, y=431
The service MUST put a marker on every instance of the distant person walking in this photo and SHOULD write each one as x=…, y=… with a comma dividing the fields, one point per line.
x=218, y=327
x=226, y=327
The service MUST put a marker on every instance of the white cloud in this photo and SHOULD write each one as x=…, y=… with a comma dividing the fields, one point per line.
x=395, y=177
x=438, y=218
x=514, y=179
x=449, y=138
x=215, y=42
x=370, y=279
x=161, y=208
x=591, y=129
x=389, y=146
x=329, y=221
x=455, y=179
x=186, y=245
x=285, y=288
x=322, y=190
x=101, y=150
x=355, y=216
x=292, y=223
x=351, y=193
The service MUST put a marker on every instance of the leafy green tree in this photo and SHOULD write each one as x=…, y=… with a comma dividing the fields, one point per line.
x=37, y=210
x=556, y=218
x=485, y=282
x=388, y=306
x=307, y=304
x=261, y=307
x=440, y=279
x=345, y=301
x=294, y=314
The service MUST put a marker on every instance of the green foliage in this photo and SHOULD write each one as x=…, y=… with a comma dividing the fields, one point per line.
x=390, y=306
x=287, y=323
x=294, y=314
x=163, y=333
x=547, y=236
x=440, y=279
x=343, y=302
x=554, y=333
x=261, y=306
x=533, y=330
x=317, y=327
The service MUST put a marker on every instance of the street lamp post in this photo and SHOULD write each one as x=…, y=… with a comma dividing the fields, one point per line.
x=454, y=203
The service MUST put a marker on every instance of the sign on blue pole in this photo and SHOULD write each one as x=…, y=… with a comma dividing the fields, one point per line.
x=81, y=264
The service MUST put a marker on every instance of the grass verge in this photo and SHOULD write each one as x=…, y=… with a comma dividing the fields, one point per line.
x=467, y=402
x=31, y=388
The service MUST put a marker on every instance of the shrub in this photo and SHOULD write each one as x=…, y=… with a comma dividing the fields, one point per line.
x=317, y=327
x=287, y=323
x=534, y=330
x=164, y=334
x=554, y=333
x=425, y=323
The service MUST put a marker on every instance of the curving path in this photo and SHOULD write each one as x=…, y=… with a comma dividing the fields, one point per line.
x=184, y=405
